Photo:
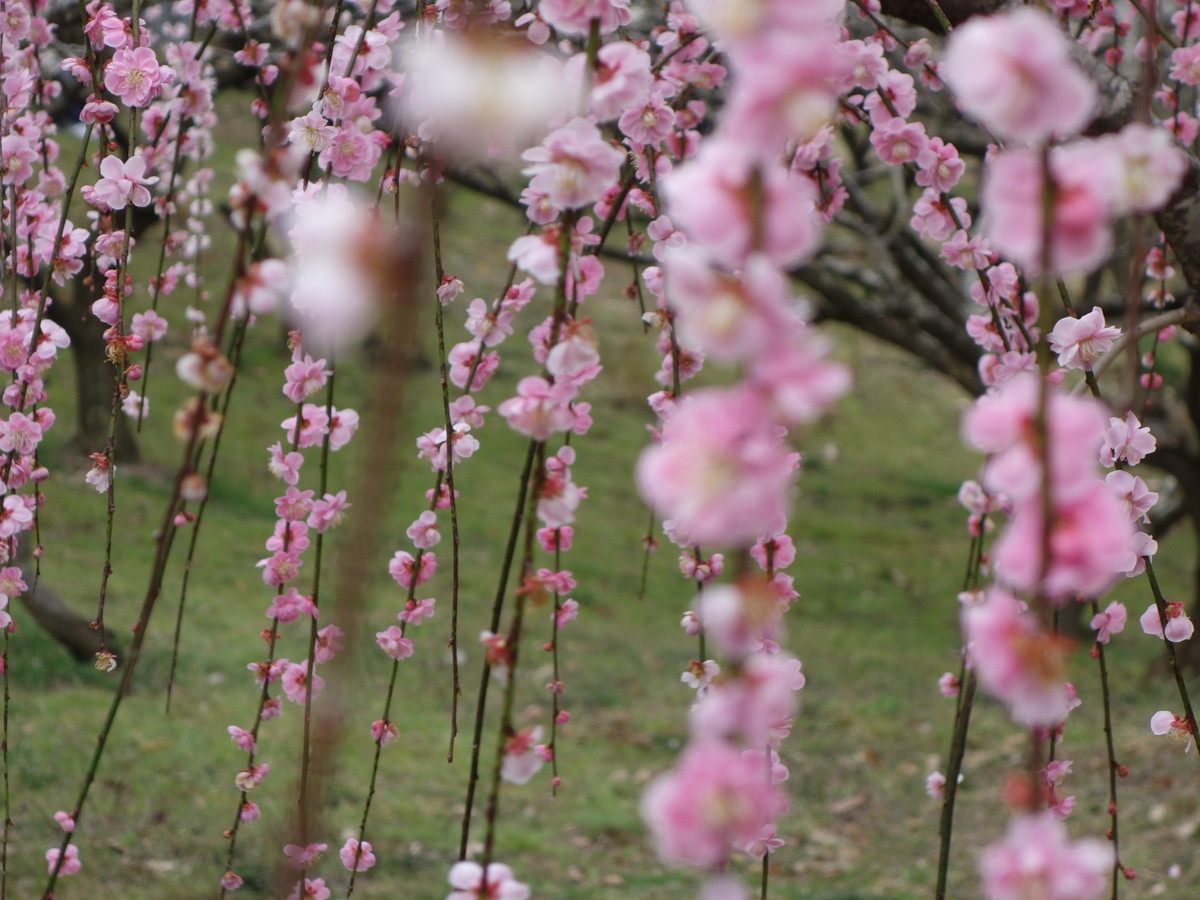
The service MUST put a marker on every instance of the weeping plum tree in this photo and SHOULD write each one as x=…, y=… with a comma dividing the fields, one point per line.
x=990, y=193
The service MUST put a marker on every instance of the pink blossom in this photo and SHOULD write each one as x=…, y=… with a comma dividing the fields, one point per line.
x=417, y=611
x=304, y=378
x=1132, y=491
x=424, y=531
x=1109, y=622
x=328, y=643
x=539, y=409
x=699, y=675
x=1014, y=74
x=1036, y=858
x=312, y=131
x=302, y=857
x=407, y=572
x=355, y=856
x=621, y=79
x=939, y=165
x=1016, y=662
x=251, y=777
x=1126, y=440
x=1089, y=536
x=65, y=821
x=20, y=434
x=123, y=182
x=766, y=842
x=285, y=465
x=295, y=682
x=148, y=325
x=1179, y=625
x=715, y=797
x=521, y=760
x=1080, y=341
x=469, y=882
x=897, y=142
x=573, y=165
x=935, y=785
x=308, y=429
x=17, y=156
x=70, y=861
x=1085, y=176
x=785, y=88
x=135, y=76
x=231, y=881
x=935, y=219
x=243, y=739
x=729, y=316
x=756, y=708
x=1151, y=167
x=328, y=512
x=949, y=685
x=15, y=515
x=343, y=424
x=1177, y=728
x=709, y=198
x=394, y=644
x=721, y=472
x=576, y=16
x=310, y=889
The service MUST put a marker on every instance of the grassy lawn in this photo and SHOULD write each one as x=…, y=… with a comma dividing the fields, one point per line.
x=882, y=547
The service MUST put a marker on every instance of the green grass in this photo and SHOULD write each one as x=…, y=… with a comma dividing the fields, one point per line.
x=881, y=551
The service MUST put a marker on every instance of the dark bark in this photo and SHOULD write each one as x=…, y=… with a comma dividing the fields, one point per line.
x=95, y=378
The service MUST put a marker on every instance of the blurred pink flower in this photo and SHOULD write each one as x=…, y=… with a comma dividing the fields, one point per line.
x=1013, y=73
x=1036, y=859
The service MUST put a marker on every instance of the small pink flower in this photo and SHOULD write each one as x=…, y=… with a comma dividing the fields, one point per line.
x=383, y=732
x=1013, y=73
x=250, y=778
x=70, y=862
x=1035, y=859
x=285, y=465
x=1110, y=622
x=328, y=512
x=123, y=183
x=136, y=77
x=935, y=785
x=1179, y=626
x=355, y=856
x=295, y=682
x=1177, y=728
x=715, y=797
x=243, y=739
x=408, y=572
x=1126, y=440
x=721, y=472
x=949, y=685
x=1079, y=342
x=231, y=881
x=469, y=883
x=394, y=644
x=1015, y=661
x=573, y=165
x=539, y=409
x=417, y=611
x=521, y=761
x=65, y=821
x=302, y=857
x=424, y=531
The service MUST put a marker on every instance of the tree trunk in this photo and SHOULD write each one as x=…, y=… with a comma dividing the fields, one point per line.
x=95, y=379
